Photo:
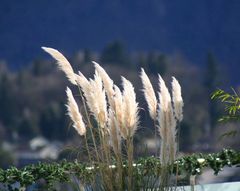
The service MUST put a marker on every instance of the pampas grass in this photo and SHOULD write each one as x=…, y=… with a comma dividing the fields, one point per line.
x=167, y=124
x=167, y=111
x=93, y=90
x=151, y=99
x=74, y=113
x=62, y=63
x=130, y=108
x=149, y=94
x=177, y=99
x=118, y=107
x=107, y=81
x=82, y=82
x=96, y=100
x=117, y=115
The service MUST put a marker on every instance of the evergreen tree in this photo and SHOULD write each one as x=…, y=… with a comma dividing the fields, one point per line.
x=211, y=80
x=87, y=56
x=27, y=127
x=40, y=68
x=52, y=122
x=8, y=103
x=157, y=63
x=142, y=62
x=115, y=53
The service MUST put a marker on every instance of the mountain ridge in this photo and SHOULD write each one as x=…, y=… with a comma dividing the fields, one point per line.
x=192, y=28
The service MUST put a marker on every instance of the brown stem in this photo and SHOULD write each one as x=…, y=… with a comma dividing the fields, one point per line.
x=88, y=152
x=130, y=161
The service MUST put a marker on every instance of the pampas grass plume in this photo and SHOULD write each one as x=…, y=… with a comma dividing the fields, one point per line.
x=130, y=108
x=167, y=125
x=149, y=94
x=107, y=81
x=177, y=99
x=74, y=113
x=96, y=99
x=82, y=82
x=166, y=98
x=63, y=64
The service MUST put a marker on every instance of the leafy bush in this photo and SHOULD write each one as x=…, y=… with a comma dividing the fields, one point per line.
x=231, y=103
x=144, y=168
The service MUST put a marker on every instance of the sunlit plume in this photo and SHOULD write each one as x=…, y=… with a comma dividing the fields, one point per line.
x=62, y=63
x=167, y=124
x=74, y=113
x=107, y=81
x=149, y=94
x=177, y=99
x=130, y=108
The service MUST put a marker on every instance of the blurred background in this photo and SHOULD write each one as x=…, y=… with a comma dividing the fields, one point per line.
x=198, y=42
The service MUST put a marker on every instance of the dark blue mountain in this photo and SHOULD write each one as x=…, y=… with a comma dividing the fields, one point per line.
x=190, y=27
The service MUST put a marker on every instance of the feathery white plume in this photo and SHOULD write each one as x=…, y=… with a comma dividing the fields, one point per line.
x=166, y=98
x=118, y=105
x=107, y=82
x=167, y=124
x=96, y=99
x=115, y=136
x=63, y=64
x=130, y=108
x=149, y=94
x=162, y=118
x=177, y=99
x=82, y=82
x=74, y=113
x=119, y=111
x=166, y=106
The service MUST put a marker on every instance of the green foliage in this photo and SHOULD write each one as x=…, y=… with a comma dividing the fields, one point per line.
x=215, y=161
x=143, y=168
x=232, y=108
x=232, y=104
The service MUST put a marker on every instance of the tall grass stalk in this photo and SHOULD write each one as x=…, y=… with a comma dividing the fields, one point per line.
x=111, y=117
x=151, y=99
x=89, y=125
